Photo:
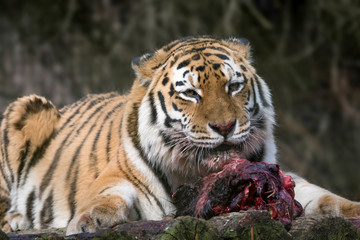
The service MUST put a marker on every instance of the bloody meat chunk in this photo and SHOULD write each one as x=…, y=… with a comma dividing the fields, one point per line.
x=240, y=185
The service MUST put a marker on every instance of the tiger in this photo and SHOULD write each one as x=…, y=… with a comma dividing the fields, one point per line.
x=112, y=158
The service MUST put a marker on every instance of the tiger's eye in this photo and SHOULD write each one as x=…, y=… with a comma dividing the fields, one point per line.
x=234, y=86
x=190, y=93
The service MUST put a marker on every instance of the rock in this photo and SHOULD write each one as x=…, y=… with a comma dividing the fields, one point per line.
x=249, y=225
x=3, y=236
x=188, y=228
x=237, y=225
x=355, y=221
x=323, y=227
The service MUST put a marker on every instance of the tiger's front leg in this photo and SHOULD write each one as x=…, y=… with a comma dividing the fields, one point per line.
x=318, y=201
x=111, y=202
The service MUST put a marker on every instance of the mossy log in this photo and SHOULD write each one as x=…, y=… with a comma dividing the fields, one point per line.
x=243, y=225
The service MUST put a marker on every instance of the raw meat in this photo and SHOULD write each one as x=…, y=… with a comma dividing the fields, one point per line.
x=240, y=185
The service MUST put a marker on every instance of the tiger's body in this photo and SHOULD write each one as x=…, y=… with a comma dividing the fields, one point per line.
x=111, y=158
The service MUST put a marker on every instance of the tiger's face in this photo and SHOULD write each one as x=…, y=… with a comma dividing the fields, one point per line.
x=204, y=104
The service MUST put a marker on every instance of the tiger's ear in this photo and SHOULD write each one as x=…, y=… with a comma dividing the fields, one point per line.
x=242, y=45
x=146, y=65
x=142, y=68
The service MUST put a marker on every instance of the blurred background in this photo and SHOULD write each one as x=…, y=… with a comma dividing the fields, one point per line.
x=307, y=50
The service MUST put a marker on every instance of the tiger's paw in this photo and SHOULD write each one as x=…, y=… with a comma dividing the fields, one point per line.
x=4, y=224
x=15, y=222
x=110, y=212
x=335, y=205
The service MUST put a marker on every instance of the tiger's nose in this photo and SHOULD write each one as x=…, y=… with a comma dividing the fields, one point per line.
x=223, y=128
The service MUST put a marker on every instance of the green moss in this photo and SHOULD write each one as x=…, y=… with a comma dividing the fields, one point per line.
x=188, y=228
x=3, y=236
x=111, y=235
x=256, y=224
x=321, y=227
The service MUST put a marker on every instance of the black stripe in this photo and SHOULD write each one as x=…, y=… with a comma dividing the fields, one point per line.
x=22, y=158
x=93, y=156
x=84, y=124
x=188, y=44
x=77, y=152
x=72, y=194
x=176, y=108
x=48, y=176
x=47, y=212
x=187, y=39
x=73, y=105
x=167, y=140
x=6, y=142
x=153, y=108
x=186, y=72
x=93, y=163
x=262, y=97
x=91, y=104
x=216, y=66
x=108, y=147
x=32, y=106
x=168, y=120
x=256, y=109
x=220, y=49
x=227, y=64
x=163, y=107
x=3, y=176
x=165, y=81
x=103, y=104
x=183, y=64
x=179, y=83
x=138, y=213
x=254, y=95
x=49, y=173
x=133, y=121
x=37, y=155
x=245, y=79
x=195, y=57
x=172, y=90
x=243, y=68
x=199, y=49
x=30, y=208
x=200, y=68
x=136, y=184
x=172, y=62
x=76, y=112
x=248, y=97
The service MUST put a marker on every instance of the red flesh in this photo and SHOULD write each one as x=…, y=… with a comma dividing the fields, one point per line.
x=240, y=185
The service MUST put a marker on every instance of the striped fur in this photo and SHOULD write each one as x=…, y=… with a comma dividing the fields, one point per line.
x=112, y=158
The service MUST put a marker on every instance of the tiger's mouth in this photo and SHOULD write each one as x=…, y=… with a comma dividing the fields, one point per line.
x=215, y=158
x=226, y=146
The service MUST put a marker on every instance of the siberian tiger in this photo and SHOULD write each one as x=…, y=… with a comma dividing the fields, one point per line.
x=110, y=158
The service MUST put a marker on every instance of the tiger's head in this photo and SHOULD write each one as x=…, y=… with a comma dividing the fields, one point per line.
x=203, y=103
